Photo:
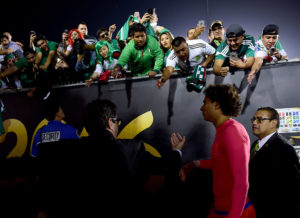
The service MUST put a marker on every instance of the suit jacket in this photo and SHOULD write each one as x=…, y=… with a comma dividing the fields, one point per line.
x=83, y=176
x=274, y=178
x=155, y=178
x=92, y=169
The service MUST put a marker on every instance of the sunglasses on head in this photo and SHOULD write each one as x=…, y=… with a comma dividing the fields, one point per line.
x=103, y=35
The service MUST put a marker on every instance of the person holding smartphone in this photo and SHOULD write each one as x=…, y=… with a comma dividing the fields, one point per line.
x=194, y=33
x=237, y=51
x=268, y=49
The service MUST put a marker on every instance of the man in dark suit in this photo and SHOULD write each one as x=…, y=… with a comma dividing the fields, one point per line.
x=274, y=170
x=100, y=172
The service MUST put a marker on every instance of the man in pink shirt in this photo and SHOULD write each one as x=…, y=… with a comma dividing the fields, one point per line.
x=229, y=154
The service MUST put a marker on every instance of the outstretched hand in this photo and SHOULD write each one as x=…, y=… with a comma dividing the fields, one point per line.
x=251, y=76
x=177, y=141
x=187, y=168
x=160, y=82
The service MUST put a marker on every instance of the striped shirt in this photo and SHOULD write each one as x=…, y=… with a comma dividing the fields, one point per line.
x=197, y=51
x=246, y=49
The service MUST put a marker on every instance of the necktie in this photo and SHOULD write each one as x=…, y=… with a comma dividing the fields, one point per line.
x=253, y=152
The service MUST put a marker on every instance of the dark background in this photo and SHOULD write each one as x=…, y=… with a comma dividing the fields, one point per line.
x=52, y=17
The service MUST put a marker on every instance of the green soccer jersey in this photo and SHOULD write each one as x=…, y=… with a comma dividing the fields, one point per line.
x=26, y=79
x=247, y=49
x=52, y=47
x=21, y=63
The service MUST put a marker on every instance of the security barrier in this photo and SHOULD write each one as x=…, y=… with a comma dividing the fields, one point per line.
x=150, y=113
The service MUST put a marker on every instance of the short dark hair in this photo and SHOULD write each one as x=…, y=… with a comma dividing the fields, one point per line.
x=137, y=27
x=83, y=23
x=96, y=115
x=227, y=96
x=272, y=112
x=4, y=36
x=51, y=107
x=177, y=41
x=101, y=30
x=27, y=51
x=38, y=38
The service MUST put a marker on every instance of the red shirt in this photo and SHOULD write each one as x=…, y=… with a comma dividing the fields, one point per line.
x=229, y=163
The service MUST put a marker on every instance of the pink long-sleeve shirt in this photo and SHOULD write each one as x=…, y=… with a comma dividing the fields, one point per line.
x=229, y=163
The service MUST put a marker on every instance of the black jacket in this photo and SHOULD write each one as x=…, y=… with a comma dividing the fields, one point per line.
x=102, y=173
x=80, y=177
x=274, y=177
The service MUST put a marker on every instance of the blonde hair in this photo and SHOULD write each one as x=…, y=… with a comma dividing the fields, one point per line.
x=170, y=38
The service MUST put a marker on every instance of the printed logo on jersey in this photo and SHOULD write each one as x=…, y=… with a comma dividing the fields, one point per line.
x=50, y=136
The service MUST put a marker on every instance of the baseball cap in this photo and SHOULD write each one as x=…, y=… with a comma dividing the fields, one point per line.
x=164, y=30
x=216, y=23
x=234, y=30
x=271, y=29
x=9, y=56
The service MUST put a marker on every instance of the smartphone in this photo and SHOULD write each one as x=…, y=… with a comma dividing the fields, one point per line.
x=272, y=50
x=66, y=31
x=233, y=56
x=150, y=11
x=136, y=14
x=201, y=23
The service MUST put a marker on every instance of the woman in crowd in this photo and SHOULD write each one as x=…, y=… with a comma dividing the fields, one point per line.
x=165, y=41
x=105, y=62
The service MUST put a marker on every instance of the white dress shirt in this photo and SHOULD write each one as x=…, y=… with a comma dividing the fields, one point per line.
x=264, y=140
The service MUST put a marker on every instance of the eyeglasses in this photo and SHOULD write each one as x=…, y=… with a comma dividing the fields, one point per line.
x=116, y=120
x=259, y=119
x=103, y=35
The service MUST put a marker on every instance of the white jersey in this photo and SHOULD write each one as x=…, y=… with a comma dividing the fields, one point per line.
x=261, y=50
x=197, y=51
x=101, y=68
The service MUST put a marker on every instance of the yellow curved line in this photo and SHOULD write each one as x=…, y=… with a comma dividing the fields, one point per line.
x=17, y=127
x=151, y=150
x=44, y=122
x=136, y=126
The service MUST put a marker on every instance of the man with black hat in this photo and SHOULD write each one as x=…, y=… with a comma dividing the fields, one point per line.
x=218, y=33
x=268, y=49
x=237, y=51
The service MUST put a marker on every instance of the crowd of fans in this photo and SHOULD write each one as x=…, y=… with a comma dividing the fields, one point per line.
x=140, y=47
x=143, y=48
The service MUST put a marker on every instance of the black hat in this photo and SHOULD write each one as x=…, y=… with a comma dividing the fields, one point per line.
x=216, y=23
x=234, y=30
x=271, y=29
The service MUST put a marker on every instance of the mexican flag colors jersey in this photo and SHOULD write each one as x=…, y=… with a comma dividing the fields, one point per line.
x=246, y=49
